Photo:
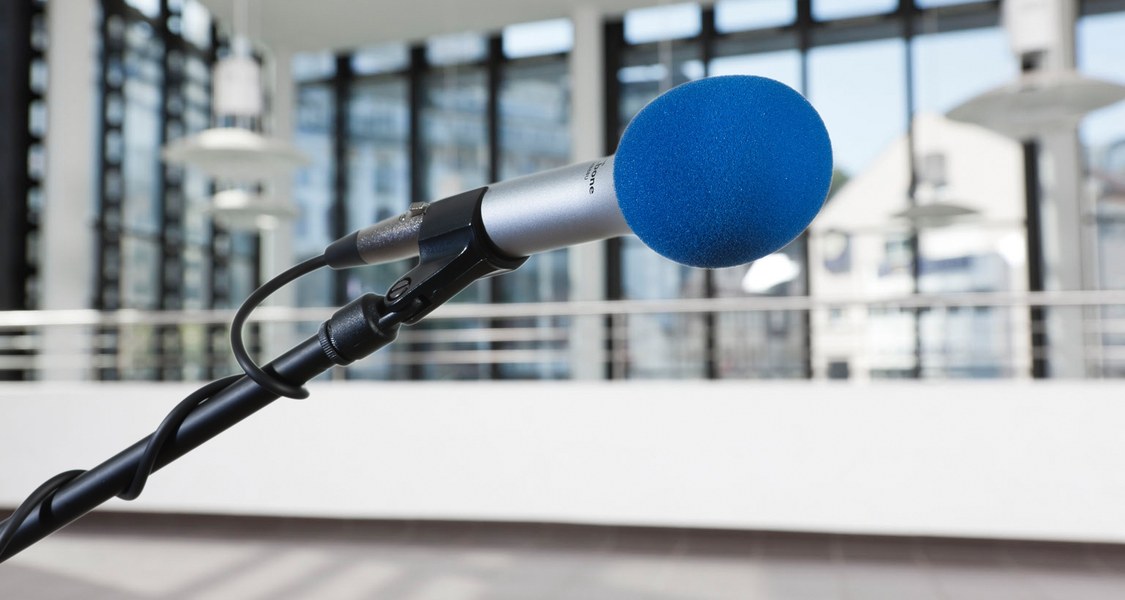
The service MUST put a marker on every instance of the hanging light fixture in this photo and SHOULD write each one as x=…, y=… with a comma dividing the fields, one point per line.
x=1049, y=95
x=235, y=154
x=935, y=214
x=931, y=207
x=241, y=210
x=1038, y=101
x=239, y=157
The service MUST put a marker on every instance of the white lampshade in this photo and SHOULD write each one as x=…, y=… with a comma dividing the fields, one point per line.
x=237, y=87
x=235, y=154
x=240, y=210
x=935, y=214
x=1037, y=102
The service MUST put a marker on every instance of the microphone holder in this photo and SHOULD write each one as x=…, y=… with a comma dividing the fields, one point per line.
x=454, y=251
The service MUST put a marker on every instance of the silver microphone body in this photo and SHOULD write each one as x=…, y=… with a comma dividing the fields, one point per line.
x=522, y=216
x=553, y=209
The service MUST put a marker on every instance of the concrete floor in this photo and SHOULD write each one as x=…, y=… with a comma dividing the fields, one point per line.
x=127, y=556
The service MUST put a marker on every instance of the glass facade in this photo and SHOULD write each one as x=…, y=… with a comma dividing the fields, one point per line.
x=534, y=123
x=36, y=148
x=656, y=346
x=883, y=75
x=397, y=123
x=313, y=189
x=1100, y=41
x=983, y=252
x=378, y=176
x=423, y=123
x=157, y=246
x=23, y=154
x=378, y=166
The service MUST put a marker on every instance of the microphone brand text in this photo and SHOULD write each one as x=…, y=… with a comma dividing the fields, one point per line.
x=592, y=174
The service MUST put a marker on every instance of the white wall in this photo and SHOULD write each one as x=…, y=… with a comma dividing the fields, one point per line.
x=1011, y=460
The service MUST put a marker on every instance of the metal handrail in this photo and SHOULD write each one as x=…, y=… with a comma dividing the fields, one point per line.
x=543, y=333
x=513, y=310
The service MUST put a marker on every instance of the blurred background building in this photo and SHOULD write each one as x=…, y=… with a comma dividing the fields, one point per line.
x=945, y=345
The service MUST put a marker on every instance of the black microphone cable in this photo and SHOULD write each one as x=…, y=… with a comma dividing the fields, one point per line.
x=40, y=498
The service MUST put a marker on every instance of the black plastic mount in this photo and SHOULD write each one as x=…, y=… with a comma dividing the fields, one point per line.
x=453, y=251
x=356, y=330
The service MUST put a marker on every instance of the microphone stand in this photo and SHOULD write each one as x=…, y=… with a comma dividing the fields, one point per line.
x=454, y=251
x=358, y=322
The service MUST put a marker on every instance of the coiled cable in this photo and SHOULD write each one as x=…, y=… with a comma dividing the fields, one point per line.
x=41, y=497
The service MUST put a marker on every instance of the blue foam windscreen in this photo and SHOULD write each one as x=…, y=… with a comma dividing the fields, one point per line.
x=723, y=171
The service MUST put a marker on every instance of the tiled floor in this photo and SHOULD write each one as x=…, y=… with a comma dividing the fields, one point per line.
x=127, y=557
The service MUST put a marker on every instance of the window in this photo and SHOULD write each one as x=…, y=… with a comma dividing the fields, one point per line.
x=538, y=38
x=965, y=254
x=827, y=10
x=156, y=247
x=741, y=15
x=657, y=346
x=534, y=119
x=860, y=90
x=1101, y=41
x=23, y=118
x=882, y=94
x=313, y=189
x=422, y=123
x=659, y=23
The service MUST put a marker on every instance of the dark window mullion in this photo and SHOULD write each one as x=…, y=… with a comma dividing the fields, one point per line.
x=16, y=55
x=613, y=46
x=494, y=80
x=342, y=91
x=167, y=340
x=417, y=164
x=803, y=26
x=906, y=12
x=707, y=37
x=111, y=182
x=218, y=251
x=416, y=100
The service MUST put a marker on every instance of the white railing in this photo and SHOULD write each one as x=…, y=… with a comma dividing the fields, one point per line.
x=928, y=335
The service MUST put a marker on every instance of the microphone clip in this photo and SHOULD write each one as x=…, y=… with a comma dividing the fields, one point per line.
x=453, y=251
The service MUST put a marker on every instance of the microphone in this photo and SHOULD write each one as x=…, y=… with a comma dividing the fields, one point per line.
x=713, y=173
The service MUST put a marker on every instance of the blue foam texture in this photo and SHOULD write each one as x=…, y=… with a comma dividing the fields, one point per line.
x=723, y=171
